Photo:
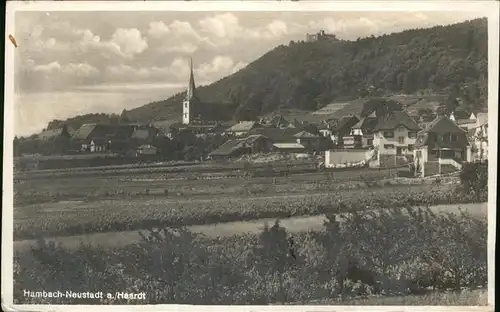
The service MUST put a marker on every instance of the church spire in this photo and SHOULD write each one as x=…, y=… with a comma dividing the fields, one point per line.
x=191, y=86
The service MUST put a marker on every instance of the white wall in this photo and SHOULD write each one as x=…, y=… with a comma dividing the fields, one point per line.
x=379, y=141
x=186, y=112
x=333, y=158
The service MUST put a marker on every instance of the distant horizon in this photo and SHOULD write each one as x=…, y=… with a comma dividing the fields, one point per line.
x=124, y=71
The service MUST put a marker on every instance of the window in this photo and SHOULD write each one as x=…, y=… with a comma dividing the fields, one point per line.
x=401, y=129
x=412, y=134
x=388, y=134
x=185, y=114
x=419, y=153
x=453, y=138
x=410, y=147
x=401, y=140
x=388, y=146
x=185, y=104
x=369, y=142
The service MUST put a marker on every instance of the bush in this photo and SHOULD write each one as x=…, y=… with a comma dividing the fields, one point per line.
x=474, y=179
x=403, y=250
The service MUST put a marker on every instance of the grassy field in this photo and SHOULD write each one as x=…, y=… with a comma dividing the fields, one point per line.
x=76, y=187
x=82, y=217
x=73, y=204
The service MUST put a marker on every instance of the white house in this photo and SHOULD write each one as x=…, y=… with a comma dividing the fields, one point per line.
x=395, y=134
x=480, y=136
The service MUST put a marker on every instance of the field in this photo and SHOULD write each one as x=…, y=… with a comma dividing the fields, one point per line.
x=56, y=205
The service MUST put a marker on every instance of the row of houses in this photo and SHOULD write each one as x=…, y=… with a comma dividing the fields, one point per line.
x=457, y=137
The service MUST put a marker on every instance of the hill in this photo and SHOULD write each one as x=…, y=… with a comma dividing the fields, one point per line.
x=306, y=76
x=309, y=75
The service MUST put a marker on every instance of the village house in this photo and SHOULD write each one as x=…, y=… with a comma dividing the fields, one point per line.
x=395, y=134
x=442, y=142
x=103, y=137
x=281, y=122
x=342, y=133
x=480, y=137
x=236, y=147
x=362, y=132
x=243, y=128
x=308, y=140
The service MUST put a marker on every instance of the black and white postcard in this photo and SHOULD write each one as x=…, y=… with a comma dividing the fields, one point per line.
x=250, y=156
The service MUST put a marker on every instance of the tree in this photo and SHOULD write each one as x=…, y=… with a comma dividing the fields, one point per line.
x=124, y=117
x=474, y=179
x=274, y=255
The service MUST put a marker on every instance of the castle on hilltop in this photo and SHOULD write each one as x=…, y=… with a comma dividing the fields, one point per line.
x=321, y=35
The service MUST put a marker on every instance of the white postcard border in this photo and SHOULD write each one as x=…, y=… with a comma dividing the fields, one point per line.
x=490, y=9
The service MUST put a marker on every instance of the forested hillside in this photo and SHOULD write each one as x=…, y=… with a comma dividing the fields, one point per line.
x=449, y=60
x=443, y=59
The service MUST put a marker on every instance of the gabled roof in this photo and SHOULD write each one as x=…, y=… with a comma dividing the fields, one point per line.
x=228, y=148
x=84, y=131
x=305, y=135
x=277, y=135
x=100, y=131
x=442, y=124
x=366, y=123
x=253, y=138
x=345, y=123
x=279, y=122
x=243, y=126
x=394, y=120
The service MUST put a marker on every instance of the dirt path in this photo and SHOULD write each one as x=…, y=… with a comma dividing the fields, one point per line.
x=294, y=224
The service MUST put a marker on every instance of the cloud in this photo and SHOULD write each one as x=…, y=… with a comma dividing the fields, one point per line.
x=219, y=67
x=158, y=30
x=126, y=73
x=80, y=70
x=130, y=41
x=186, y=47
x=47, y=68
x=222, y=26
x=177, y=70
x=224, y=29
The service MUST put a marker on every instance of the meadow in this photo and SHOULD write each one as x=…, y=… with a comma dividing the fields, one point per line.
x=109, y=202
x=409, y=256
x=73, y=218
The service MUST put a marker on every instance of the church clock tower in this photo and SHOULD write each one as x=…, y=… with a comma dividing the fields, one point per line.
x=189, y=103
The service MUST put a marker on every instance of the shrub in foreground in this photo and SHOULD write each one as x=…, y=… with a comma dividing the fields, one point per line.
x=401, y=251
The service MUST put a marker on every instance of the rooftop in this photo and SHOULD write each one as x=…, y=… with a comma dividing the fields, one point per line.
x=396, y=119
x=442, y=124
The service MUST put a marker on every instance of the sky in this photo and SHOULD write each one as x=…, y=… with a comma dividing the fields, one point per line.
x=71, y=63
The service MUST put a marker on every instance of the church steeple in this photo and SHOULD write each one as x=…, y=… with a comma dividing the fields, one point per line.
x=191, y=86
x=188, y=110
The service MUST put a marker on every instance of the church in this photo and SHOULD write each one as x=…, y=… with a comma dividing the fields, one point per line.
x=196, y=111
